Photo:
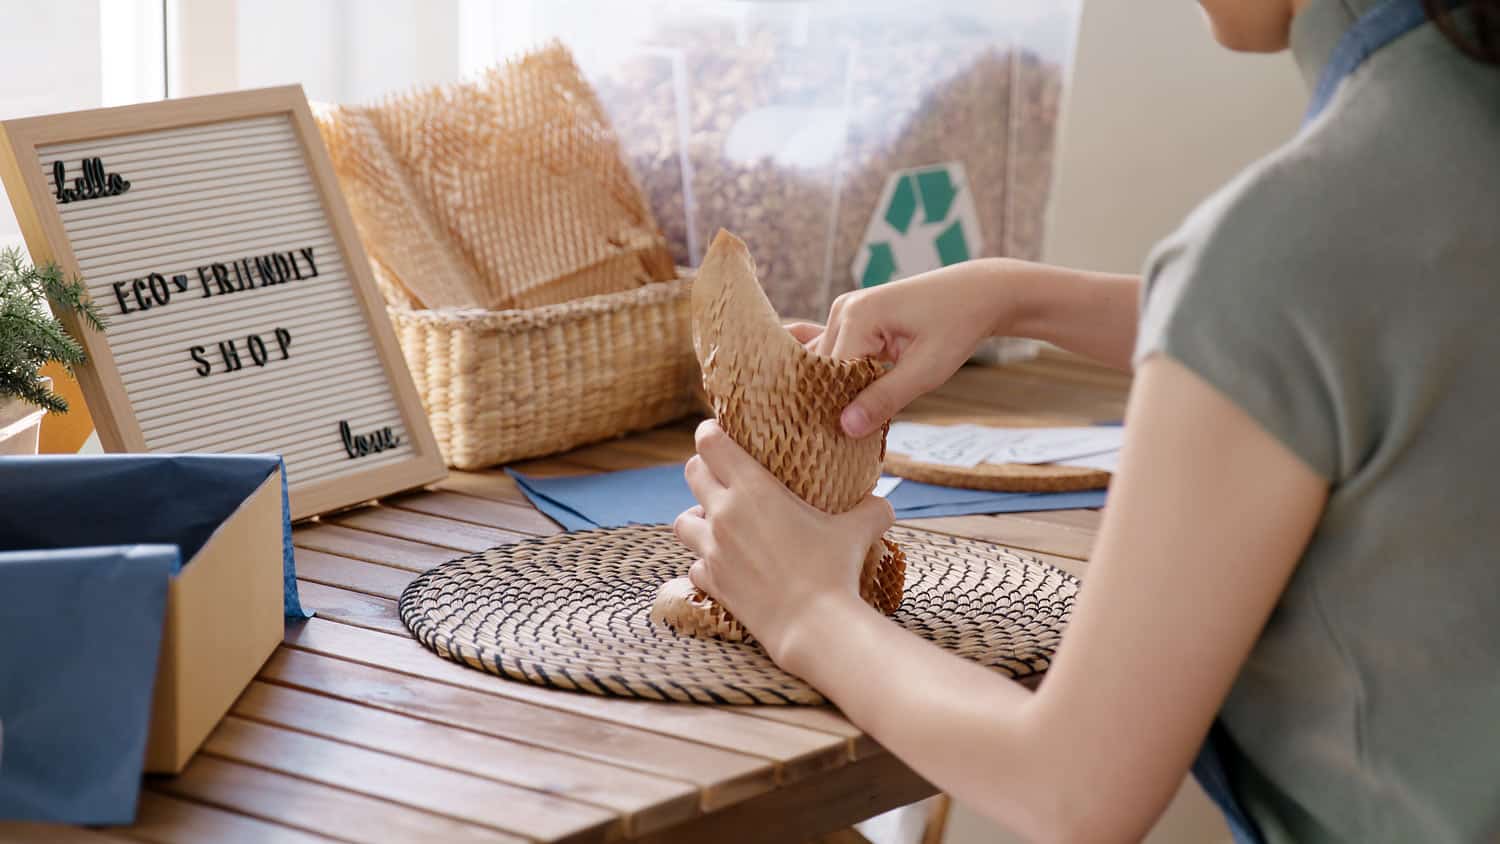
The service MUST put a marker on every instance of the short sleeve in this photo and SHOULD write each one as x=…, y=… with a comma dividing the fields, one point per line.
x=1235, y=295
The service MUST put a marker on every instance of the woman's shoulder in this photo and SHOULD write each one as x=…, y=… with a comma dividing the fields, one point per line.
x=1404, y=152
x=1280, y=288
x=1265, y=230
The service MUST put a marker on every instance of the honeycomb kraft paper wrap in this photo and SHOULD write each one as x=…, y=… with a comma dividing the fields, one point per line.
x=506, y=192
x=781, y=403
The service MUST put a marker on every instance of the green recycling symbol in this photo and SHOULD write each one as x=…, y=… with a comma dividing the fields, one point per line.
x=925, y=219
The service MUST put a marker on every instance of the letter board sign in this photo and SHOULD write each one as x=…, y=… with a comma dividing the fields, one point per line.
x=241, y=312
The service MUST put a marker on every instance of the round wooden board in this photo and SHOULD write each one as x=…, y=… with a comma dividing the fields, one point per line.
x=995, y=477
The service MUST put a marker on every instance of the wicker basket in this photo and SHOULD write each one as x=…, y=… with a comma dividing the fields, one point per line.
x=505, y=385
x=531, y=289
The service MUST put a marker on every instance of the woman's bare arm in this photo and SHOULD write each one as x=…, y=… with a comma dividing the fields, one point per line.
x=929, y=324
x=1207, y=519
x=1088, y=313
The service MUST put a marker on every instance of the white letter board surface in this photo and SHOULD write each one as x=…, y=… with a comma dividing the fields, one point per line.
x=241, y=313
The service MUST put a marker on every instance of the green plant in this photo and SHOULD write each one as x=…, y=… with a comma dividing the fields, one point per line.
x=29, y=335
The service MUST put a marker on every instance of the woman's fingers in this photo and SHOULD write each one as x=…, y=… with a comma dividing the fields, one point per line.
x=874, y=516
x=863, y=328
x=730, y=464
x=706, y=486
x=825, y=340
x=692, y=530
x=702, y=577
x=805, y=332
x=830, y=335
x=860, y=337
x=911, y=377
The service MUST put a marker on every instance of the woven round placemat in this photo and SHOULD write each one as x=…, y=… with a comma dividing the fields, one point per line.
x=994, y=477
x=572, y=611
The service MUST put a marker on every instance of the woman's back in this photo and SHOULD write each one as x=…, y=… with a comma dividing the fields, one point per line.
x=1344, y=293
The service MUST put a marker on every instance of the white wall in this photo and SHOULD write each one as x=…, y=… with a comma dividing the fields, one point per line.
x=1157, y=116
x=338, y=50
x=345, y=51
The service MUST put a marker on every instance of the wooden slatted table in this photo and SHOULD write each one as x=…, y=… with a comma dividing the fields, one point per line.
x=354, y=732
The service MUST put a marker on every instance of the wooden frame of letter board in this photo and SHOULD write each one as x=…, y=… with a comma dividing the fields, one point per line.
x=41, y=224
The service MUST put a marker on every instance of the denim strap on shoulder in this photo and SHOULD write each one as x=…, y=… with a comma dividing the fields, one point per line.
x=1376, y=28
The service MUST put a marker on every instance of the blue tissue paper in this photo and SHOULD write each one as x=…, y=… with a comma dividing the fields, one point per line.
x=656, y=495
x=80, y=631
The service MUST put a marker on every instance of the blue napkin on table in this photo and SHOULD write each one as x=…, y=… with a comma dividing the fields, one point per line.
x=656, y=495
x=87, y=547
x=80, y=633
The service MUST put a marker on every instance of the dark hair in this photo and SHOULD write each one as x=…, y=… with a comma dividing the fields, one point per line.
x=1482, y=40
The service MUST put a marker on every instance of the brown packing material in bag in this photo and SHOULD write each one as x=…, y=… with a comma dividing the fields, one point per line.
x=509, y=191
x=781, y=403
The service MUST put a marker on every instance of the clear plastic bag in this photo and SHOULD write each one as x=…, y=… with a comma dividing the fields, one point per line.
x=789, y=123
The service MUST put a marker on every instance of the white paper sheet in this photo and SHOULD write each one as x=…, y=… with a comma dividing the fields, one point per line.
x=1051, y=445
x=969, y=445
x=945, y=445
x=884, y=486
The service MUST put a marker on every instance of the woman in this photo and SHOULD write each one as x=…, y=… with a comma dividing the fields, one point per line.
x=1299, y=550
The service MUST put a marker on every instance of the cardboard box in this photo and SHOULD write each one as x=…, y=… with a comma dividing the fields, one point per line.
x=220, y=615
x=224, y=618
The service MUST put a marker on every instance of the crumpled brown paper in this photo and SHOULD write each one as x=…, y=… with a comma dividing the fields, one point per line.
x=509, y=191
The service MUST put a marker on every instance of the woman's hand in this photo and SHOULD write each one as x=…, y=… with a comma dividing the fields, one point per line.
x=927, y=325
x=768, y=556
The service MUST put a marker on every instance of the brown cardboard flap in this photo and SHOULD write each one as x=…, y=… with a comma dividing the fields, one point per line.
x=224, y=618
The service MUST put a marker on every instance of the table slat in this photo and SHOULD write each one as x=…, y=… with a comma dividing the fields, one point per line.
x=646, y=801
x=423, y=786
x=1013, y=532
x=355, y=608
x=617, y=459
x=493, y=484
x=617, y=744
x=1111, y=381
x=363, y=545
x=311, y=805
x=23, y=832
x=420, y=527
x=1085, y=520
x=349, y=573
x=841, y=798
x=508, y=515
x=168, y=820
x=792, y=751
x=1016, y=388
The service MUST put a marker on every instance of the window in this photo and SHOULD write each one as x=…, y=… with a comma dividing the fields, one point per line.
x=65, y=55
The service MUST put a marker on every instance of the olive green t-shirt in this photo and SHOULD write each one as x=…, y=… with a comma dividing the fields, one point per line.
x=1345, y=293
